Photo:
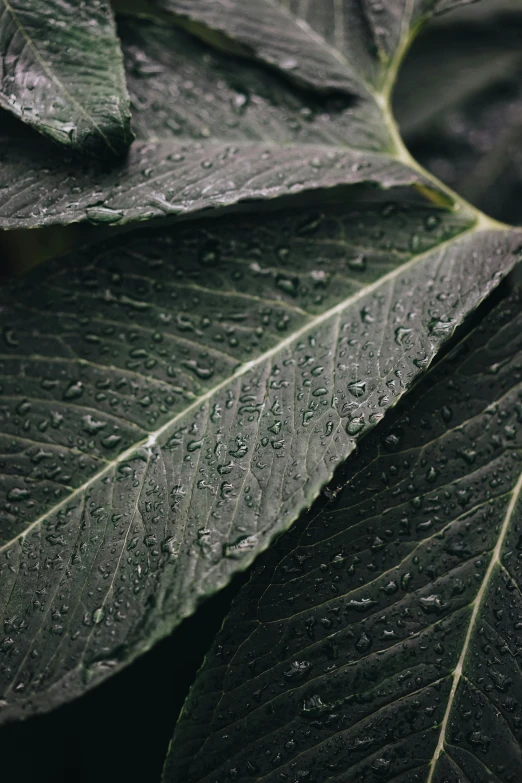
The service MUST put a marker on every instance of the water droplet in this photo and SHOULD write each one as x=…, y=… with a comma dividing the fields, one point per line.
x=366, y=316
x=432, y=604
x=438, y=327
x=73, y=391
x=240, y=450
x=297, y=671
x=9, y=337
x=91, y=426
x=103, y=215
x=287, y=284
x=431, y=222
x=240, y=547
x=355, y=425
x=402, y=335
x=363, y=643
x=357, y=388
x=446, y=413
x=239, y=103
x=111, y=441
x=202, y=372
x=98, y=615
x=194, y=445
x=18, y=493
x=432, y=474
x=23, y=408
x=288, y=64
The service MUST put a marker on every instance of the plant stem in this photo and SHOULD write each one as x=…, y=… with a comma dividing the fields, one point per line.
x=441, y=195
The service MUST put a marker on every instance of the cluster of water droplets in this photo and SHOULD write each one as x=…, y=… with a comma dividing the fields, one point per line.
x=362, y=609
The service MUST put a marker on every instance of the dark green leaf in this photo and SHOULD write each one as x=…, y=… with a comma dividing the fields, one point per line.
x=173, y=400
x=181, y=88
x=333, y=45
x=166, y=178
x=380, y=639
x=62, y=73
x=258, y=137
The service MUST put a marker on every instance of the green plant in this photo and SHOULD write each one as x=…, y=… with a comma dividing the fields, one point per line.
x=175, y=397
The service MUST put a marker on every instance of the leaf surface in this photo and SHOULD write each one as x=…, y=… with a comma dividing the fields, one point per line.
x=172, y=400
x=335, y=45
x=380, y=638
x=182, y=88
x=164, y=178
x=256, y=138
x=61, y=73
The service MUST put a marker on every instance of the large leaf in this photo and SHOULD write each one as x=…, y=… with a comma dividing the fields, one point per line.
x=170, y=178
x=183, y=88
x=335, y=45
x=380, y=639
x=214, y=133
x=61, y=72
x=173, y=400
x=467, y=129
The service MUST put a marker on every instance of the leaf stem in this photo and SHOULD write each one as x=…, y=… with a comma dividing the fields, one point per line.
x=441, y=195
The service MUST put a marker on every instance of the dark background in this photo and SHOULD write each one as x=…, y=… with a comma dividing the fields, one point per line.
x=119, y=731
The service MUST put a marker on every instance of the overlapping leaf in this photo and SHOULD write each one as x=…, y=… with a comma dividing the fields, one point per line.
x=171, y=401
x=61, y=72
x=215, y=132
x=349, y=46
x=380, y=639
x=170, y=178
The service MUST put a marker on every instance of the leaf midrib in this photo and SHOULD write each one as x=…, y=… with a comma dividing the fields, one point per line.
x=48, y=70
x=361, y=588
x=477, y=604
x=152, y=439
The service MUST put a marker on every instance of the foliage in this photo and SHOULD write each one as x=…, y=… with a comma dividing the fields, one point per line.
x=177, y=393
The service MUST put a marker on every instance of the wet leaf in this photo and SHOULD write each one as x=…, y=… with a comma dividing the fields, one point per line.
x=182, y=88
x=380, y=639
x=348, y=46
x=62, y=73
x=165, y=179
x=214, y=132
x=172, y=400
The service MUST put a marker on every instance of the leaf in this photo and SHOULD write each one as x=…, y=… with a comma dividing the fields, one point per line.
x=172, y=400
x=268, y=139
x=380, y=638
x=347, y=46
x=248, y=103
x=165, y=178
x=62, y=73
x=467, y=131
